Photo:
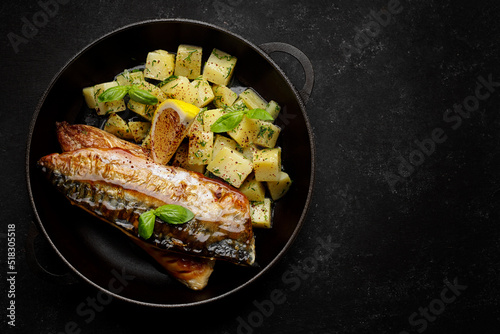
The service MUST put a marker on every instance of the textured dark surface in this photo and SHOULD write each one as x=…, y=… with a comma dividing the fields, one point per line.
x=397, y=245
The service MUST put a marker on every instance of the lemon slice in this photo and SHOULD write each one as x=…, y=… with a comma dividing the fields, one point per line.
x=168, y=128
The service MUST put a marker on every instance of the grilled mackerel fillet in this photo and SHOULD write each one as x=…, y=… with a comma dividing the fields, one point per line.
x=193, y=272
x=118, y=186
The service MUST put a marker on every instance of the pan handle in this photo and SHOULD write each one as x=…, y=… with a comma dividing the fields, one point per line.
x=35, y=266
x=272, y=47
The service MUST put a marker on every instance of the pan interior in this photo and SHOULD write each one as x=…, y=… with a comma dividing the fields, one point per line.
x=96, y=250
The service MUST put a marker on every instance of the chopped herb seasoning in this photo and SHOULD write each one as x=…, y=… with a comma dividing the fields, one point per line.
x=188, y=58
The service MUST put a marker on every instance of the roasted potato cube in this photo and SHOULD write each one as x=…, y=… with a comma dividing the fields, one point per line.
x=145, y=110
x=146, y=143
x=210, y=117
x=88, y=94
x=267, y=164
x=201, y=146
x=248, y=151
x=260, y=213
x=205, y=94
x=246, y=132
x=254, y=190
x=239, y=104
x=139, y=130
x=179, y=88
x=180, y=159
x=130, y=77
x=267, y=135
x=159, y=65
x=253, y=100
x=197, y=124
x=231, y=166
x=104, y=108
x=188, y=61
x=273, y=108
x=221, y=141
x=223, y=96
x=279, y=188
x=117, y=126
x=219, y=67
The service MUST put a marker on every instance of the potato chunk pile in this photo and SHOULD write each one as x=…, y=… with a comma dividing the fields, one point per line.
x=246, y=156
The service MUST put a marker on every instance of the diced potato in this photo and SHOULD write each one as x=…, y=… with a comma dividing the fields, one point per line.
x=159, y=65
x=210, y=117
x=239, y=104
x=88, y=94
x=180, y=159
x=139, y=130
x=179, y=88
x=156, y=91
x=117, y=126
x=273, y=109
x=219, y=67
x=279, y=188
x=267, y=164
x=197, y=124
x=267, y=135
x=223, y=96
x=188, y=61
x=130, y=77
x=260, y=213
x=201, y=146
x=146, y=143
x=253, y=100
x=104, y=108
x=205, y=95
x=221, y=141
x=146, y=111
x=246, y=132
x=254, y=190
x=231, y=166
x=248, y=151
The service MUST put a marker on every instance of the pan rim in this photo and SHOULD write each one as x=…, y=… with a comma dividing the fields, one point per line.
x=302, y=217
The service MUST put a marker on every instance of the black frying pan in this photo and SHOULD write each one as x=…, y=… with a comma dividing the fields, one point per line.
x=96, y=251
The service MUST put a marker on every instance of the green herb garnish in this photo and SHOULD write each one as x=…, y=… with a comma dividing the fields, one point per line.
x=142, y=96
x=136, y=94
x=170, y=213
x=231, y=120
x=188, y=58
x=113, y=94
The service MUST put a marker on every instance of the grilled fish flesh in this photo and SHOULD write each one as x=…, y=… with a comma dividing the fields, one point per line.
x=118, y=186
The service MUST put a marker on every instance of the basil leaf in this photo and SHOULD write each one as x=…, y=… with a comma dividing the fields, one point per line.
x=227, y=122
x=174, y=214
x=113, y=93
x=260, y=114
x=147, y=224
x=142, y=96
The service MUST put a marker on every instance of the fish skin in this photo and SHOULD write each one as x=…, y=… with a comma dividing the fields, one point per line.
x=77, y=136
x=119, y=186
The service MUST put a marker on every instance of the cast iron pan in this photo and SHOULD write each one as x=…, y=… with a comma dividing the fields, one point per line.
x=96, y=251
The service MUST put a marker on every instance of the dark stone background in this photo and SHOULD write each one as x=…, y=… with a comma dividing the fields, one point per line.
x=397, y=246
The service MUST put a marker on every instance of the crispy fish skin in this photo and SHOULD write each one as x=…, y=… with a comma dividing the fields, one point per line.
x=77, y=136
x=119, y=186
